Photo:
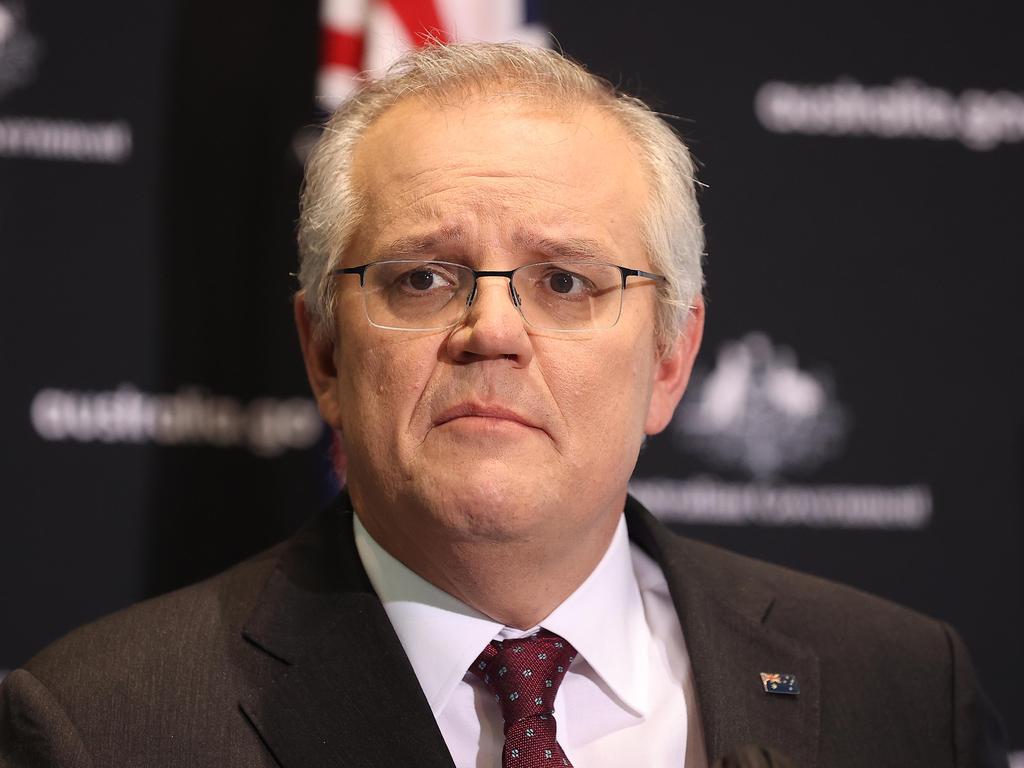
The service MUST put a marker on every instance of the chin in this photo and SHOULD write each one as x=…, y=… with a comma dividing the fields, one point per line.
x=497, y=506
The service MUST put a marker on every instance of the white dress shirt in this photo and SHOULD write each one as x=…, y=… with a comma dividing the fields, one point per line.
x=627, y=700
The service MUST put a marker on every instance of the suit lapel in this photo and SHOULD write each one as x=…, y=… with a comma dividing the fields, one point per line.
x=330, y=684
x=724, y=616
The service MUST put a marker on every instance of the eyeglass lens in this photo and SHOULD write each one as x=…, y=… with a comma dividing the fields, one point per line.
x=429, y=295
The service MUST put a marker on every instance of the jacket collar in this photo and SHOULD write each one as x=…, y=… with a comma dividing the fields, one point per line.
x=725, y=612
x=333, y=686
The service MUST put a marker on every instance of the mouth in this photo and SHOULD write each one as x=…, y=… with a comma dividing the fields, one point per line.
x=495, y=414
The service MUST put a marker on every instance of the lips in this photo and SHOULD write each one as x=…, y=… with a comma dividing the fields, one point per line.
x=464, y=410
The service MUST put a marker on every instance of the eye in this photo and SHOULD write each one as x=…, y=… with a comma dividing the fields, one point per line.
x=421, y=279
x=566, y=283
x=561, y=282
x=426, y=278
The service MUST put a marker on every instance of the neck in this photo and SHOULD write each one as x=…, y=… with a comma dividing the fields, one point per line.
x=515, y=581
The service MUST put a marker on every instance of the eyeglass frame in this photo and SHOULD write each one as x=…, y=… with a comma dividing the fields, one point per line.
x=517, y=301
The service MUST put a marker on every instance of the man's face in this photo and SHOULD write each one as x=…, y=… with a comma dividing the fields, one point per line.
x=493, y=429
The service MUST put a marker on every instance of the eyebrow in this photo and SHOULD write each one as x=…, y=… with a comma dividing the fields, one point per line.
x=418, y=245
x=567, y=248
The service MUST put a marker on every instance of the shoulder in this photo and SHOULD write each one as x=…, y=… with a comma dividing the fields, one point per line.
x=849, y=643
x=832, y=618
x=199, y=626
x=154, y=684
x=169, y=668
x=150, y=642
x=823, y=613
x=160, y=683
x=809, y=593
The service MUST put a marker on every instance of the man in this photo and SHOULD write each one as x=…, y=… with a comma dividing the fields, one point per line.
x=501, y=298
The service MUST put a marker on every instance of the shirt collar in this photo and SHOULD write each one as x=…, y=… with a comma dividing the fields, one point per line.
x=604, y=620
x=442, y=636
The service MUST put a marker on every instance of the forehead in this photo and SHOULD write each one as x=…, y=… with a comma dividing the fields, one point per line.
x=503, y=165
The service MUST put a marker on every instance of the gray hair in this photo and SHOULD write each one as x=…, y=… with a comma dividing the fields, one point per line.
x=331, y=207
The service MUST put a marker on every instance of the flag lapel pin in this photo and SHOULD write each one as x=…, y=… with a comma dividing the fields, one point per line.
x=777, y=682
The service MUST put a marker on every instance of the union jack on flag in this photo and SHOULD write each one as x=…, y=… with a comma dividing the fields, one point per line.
x=365, y=36
x=776, y=682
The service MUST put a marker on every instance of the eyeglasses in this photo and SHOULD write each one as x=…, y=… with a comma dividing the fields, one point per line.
x=568, y=296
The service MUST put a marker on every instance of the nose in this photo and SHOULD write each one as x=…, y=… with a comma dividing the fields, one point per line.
x=492, y=328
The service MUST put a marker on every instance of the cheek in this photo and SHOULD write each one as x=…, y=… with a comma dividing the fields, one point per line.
x=602, y=392
x=381, y=380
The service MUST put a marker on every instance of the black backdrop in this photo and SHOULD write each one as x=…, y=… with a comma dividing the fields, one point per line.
x=857, y=410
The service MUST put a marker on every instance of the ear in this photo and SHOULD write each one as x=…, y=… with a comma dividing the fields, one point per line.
x=673, y=371
x=318, y=354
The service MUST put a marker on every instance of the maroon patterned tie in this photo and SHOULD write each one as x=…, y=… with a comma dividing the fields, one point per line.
x=524, y=676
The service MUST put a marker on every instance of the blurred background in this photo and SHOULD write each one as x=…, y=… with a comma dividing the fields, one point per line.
x=857, y=408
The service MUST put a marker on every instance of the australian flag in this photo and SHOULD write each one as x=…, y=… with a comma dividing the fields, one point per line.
x=360, y=38
x=776, y=682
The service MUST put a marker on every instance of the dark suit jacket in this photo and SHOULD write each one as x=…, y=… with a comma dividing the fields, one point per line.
x=289, y=659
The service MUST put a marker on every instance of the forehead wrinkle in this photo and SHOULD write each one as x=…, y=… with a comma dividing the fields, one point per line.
x=528, y=235
x=481, y=205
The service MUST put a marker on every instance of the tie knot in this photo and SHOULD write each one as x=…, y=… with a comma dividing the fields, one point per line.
x=524, y=675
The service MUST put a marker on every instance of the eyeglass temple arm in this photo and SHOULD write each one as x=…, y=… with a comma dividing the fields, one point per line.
x=627, y=272
x=361, y=271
